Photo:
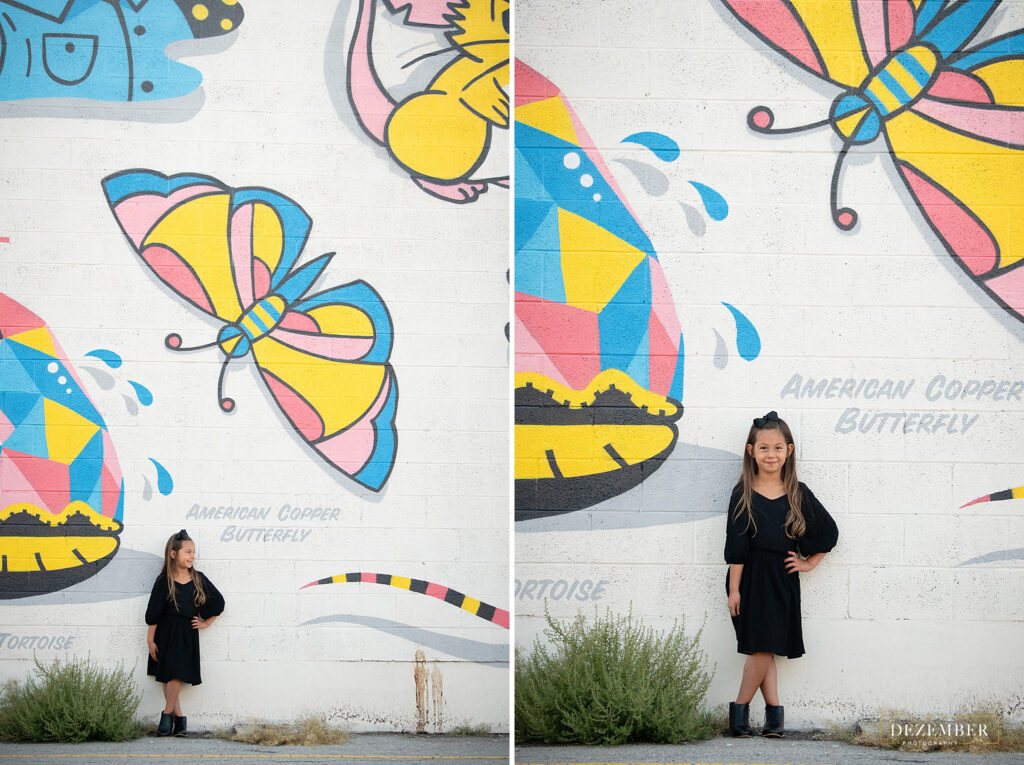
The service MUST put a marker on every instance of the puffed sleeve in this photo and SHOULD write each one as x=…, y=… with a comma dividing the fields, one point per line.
x=214, y=605
x=737, y=534
x=156, y=600
x=822, y=533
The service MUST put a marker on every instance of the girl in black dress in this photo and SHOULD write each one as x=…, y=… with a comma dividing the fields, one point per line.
x=183, y=602
x=776, y=529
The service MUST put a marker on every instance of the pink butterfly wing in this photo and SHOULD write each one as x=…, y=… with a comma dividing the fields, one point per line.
x=778, y=23
x=885, y=26
x=347, y=356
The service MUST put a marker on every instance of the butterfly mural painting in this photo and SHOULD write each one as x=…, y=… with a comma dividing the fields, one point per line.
x=950, y=109
x=232, y=253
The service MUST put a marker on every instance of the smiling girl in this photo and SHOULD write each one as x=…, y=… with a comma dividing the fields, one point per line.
x=776, y=529
x=183, y=601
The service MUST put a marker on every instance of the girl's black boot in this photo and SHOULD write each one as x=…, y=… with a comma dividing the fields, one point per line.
x=773, y=721
x=164, y=729
x=739, y=720
x=180, y=725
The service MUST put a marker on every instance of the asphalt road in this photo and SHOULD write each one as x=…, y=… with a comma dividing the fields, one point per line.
x=378, y=748
x=753, y=751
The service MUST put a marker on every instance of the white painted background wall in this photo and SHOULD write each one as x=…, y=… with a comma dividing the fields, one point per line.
x=269, y=118
x=891, y=617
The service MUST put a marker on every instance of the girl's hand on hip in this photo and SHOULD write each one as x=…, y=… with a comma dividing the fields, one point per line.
x=795, y=563
x=734, y=603
x=198, y=624
x=152, y=651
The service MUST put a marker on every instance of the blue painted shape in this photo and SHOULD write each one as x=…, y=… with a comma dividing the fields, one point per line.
x=926, y=11
x=119, y=513
x=28, y=438
x=539, y=273
x=748, y=342
x=144, y=394
x=623, y=322
x=545, y=154
x=378, y=468
x=528, y=183
x=1000, y=48
x=659, y=143
x=640, y=366
x=109, y=358
x=37, y=365
x=676, y=390
x=536, y=225
x=538, y=255
x=85, y=472
x=106, y=51
x=14, y=378
x=131, y=182
x=714, y=202
x=164, y=482
x=958, y=25
x=22, y=407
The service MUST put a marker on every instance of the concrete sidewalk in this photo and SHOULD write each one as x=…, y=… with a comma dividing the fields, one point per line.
x=752, y=751
x=395, y=748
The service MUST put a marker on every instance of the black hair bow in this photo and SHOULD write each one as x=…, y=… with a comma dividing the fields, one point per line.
x=182, y=535
x=760, y=422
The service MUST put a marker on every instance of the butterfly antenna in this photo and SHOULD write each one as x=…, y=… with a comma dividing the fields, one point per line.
x=227, y=404
x=760, y=119
x=173, y=341
x=845, y=218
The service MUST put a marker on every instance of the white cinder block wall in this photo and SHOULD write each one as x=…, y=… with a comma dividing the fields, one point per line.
x=918, y=608
x=272, y=111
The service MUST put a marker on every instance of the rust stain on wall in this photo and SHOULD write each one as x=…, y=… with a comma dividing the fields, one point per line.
x=437, y=698
x=419, y=674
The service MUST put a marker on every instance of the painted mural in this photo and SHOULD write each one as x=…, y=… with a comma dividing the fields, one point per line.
x=441, y=135
x=599, y=349
x=61, y=488
x=485, y=611
x=104, y=51
x=949, y=107
x=1017, y=492
x=232, y=253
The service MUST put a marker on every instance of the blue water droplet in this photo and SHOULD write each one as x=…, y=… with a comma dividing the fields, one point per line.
x=145, y=397
x=164, y=482
x=748, y=342
x=714, y=202
x=109, y=358
x=662, y=146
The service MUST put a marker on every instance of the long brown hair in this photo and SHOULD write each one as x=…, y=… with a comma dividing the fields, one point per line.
x=795, y=524
x=173, y=545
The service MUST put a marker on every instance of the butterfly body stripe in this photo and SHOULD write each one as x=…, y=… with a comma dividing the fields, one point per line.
x=476, y=607
x=897, y=83
x=262, y=317
x=902, y=79
x=236, y=339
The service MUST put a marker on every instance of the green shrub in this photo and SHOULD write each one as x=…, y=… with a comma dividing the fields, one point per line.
x=71, y=701
x=612, y=682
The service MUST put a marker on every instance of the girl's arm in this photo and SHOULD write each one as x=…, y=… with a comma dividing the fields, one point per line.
x=795, y=563
x=151, y=641
x=735, y=572
x=202, y=624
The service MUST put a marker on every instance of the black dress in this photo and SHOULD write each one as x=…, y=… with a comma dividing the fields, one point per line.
x=769, y=617
x=177, y=642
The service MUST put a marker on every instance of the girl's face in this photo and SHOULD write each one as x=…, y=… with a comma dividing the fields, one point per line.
x=185, y=555
x=769, y=451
